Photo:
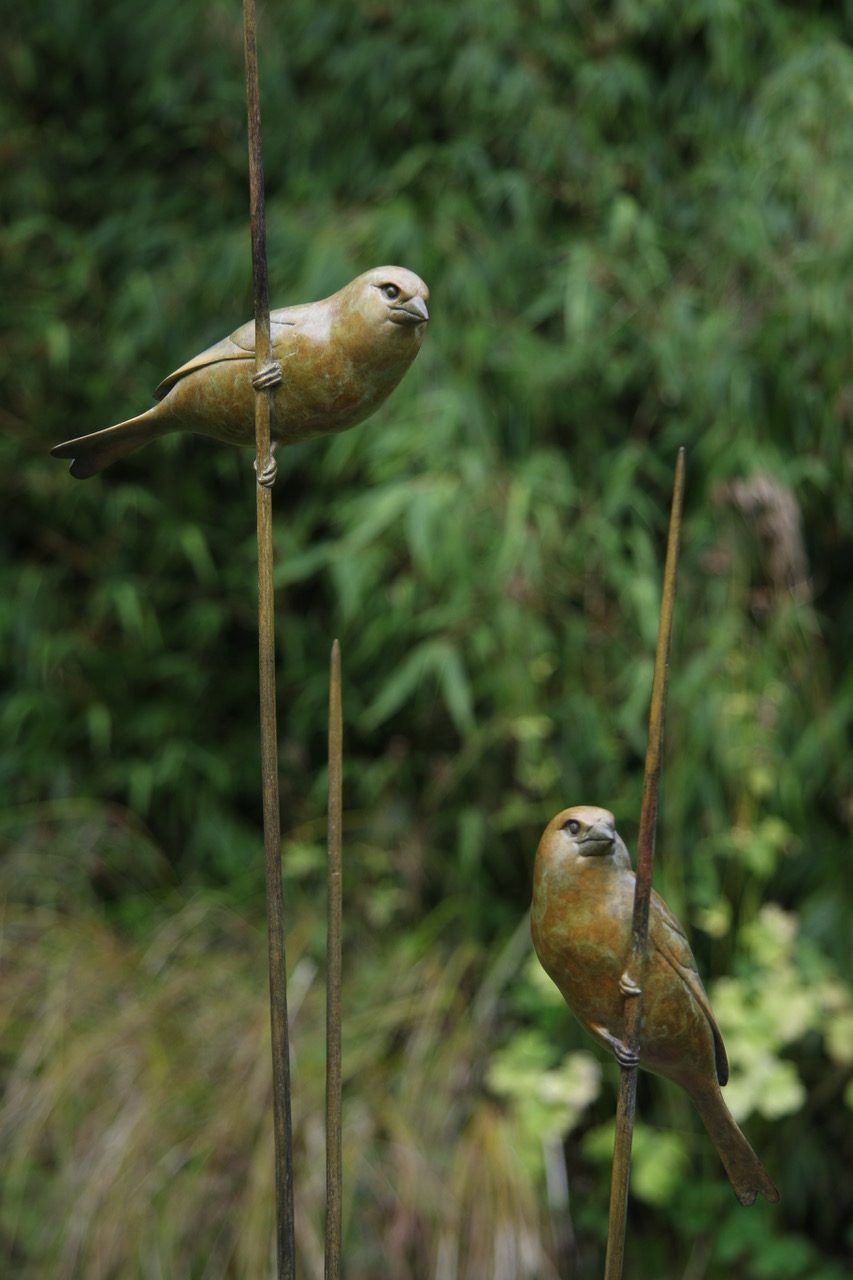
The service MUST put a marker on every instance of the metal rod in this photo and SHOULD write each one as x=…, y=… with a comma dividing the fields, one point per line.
x=334, y=1016
x=627, y=1100
x=285, y=1239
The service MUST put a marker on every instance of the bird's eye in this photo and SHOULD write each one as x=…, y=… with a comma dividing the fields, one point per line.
x=390, y=291
x=572, y=826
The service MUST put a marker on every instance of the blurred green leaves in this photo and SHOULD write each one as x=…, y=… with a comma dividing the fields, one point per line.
x=786, y=992
x=546, y=1099
x=658, y=1160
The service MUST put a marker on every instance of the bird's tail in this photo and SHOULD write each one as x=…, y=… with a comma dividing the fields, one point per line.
x=92, y=453
x=745, y=1171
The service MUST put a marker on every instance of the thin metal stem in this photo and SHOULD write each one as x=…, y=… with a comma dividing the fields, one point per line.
x=334, y=1015
x=285, y=1237
x=636, y=966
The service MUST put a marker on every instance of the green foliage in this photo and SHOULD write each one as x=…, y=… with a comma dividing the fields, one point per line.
x=548, y=1101
x=636, y=222
x=785, y=994
x=658, y=1160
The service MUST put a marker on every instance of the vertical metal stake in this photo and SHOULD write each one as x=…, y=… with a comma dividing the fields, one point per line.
x=333, y=975
x=285, y=1238
x=636, y=966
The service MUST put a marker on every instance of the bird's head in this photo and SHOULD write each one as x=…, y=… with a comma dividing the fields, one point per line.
x=391, y=298
x=583, y=832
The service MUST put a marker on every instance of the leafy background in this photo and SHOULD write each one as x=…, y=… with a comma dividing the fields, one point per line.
x=636, y=220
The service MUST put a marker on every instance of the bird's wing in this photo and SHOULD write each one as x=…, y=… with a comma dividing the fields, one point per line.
x=240, y=345
x=670, y=940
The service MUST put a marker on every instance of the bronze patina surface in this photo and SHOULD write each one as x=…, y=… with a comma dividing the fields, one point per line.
x=339, y=359
x=583, y=900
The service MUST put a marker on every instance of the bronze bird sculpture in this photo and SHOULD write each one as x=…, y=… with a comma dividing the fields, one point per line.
x=583, y=901
x=339, y=358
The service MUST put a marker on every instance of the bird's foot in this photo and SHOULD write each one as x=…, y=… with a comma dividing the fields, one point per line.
x=267, y=475
x=269, y=376
x=624, y=1056
x=628, y=986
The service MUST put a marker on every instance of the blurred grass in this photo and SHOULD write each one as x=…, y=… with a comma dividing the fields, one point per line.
x=135, y=1118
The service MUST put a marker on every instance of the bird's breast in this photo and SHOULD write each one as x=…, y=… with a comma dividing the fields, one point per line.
x=334, y=379
x=581, y=932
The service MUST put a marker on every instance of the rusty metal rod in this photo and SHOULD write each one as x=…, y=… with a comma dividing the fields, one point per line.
x=334, y=1014
x=636, y=966
x=285, y=1239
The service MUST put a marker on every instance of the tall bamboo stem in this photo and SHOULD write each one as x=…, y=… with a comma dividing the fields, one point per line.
x=285, y=1239
x=333, y=974
x=636, y=966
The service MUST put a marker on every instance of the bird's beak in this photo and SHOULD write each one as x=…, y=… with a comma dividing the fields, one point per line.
x=412, y=312
x=599, y=840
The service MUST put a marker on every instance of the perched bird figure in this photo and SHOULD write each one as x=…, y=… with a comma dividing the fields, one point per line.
x=338, y=359
x=583, y=902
